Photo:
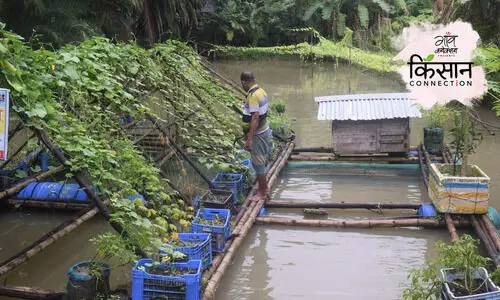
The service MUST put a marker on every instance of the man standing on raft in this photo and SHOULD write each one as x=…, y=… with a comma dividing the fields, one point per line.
x=256, y=129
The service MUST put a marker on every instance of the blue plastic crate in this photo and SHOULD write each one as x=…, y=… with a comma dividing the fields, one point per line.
x=219, y=233
x=146, y=286
x=233, y=184
x=201, y=251
x=204, y=201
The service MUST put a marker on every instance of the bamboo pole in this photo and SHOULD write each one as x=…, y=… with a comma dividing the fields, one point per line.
x=422, y=168
x=242, y=230
x=353, y=158
x=46, y=240
x=298, y=157
x=178, y=149
x=85, y=183
x=23, y=292
x=314, y=150
x=237, y=230
x=427, y=157
x=415, y=222
x=13, y=132
x=491, y=231
x=228, y=257
x=16, y=152
x=48, y=204
x=254, y=188
x=490, y=248
x=166, y=158
x=342, y=205
x=451, y=227
x=280, y=165
x=449, y=221
x=223, y=78
x=241, y=218
x=17, y=187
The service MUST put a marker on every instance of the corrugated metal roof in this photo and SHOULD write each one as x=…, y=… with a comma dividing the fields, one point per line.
x=367, y=107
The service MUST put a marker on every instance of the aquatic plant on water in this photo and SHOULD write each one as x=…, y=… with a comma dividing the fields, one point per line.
x=325, y=50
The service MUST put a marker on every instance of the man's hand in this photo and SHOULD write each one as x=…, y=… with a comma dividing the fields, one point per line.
x=248, y=144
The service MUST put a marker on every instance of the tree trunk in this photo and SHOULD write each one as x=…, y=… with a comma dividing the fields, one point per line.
x=334, y=24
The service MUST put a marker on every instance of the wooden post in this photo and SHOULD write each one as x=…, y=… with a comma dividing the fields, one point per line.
x=17, y=187
x=46, y=240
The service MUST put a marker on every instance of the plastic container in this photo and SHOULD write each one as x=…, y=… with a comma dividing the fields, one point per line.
x=449, y=275
x=53, y=191
x=219, y=234
x=146, y=286
x=433, y=140
x=494, y=217
x=201, y=251
x=203, y=201
x=229, y=182
x=427, y=210
x=82, y=284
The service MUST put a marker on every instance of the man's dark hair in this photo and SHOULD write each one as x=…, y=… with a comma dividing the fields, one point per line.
x=247, y=76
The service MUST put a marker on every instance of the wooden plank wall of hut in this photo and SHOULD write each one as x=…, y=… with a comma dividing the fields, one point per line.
x=371, y=136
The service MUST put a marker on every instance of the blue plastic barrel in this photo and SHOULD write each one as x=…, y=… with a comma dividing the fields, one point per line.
x=427, y=210
x=494, y=217
x=53, y=191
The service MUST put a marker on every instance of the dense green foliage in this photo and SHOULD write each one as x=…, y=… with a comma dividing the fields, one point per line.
x=79, y=93
x=63, y=21
x=489, y=58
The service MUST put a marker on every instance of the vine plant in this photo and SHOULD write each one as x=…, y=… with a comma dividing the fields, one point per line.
x=78, y=94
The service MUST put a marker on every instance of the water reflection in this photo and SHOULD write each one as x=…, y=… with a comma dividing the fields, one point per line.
x=325, y=264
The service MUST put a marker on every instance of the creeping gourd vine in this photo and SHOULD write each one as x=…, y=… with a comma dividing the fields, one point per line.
x=78, y=95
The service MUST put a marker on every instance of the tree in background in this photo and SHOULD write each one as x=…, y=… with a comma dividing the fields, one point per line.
x=64, y=21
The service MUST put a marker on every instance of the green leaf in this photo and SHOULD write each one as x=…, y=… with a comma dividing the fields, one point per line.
x=71, y=72
x=364, y=15
x=14, y=82
x=38, y=111
x=20, y=174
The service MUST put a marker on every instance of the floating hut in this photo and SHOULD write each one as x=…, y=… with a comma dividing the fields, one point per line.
x=369, y=123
